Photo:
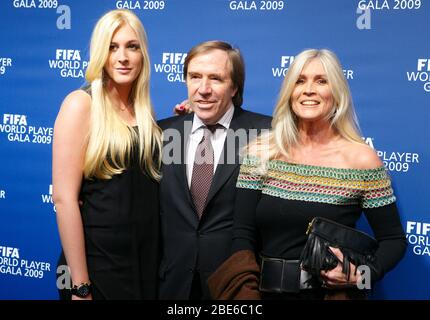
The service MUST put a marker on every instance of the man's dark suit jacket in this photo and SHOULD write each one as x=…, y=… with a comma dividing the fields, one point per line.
x=189, y=244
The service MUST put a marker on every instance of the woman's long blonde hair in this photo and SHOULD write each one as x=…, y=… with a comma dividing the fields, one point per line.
x=111, y=140
x=284, y=133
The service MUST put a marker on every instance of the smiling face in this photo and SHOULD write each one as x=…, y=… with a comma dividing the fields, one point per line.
x=125, y=58
x=312, y=97
x=210, y=88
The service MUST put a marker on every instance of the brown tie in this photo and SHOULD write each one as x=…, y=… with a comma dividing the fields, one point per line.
x=203, y=169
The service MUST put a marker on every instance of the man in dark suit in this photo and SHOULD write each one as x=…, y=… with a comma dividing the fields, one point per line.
x=200, y=169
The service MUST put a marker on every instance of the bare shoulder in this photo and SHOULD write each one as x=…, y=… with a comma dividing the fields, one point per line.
x=75, y=109
x=361, y=156
x=74, y=114
x=76, y=102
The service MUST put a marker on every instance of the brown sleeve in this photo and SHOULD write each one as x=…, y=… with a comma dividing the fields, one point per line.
x=237, y=278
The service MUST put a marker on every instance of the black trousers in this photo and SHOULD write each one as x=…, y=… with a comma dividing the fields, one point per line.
x=196, y=293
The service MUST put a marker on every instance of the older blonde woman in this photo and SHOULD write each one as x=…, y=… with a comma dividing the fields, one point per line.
x=105, y=153
x=312, y=163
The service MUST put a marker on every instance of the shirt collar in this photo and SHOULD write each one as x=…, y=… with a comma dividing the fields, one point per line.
x=224, y=121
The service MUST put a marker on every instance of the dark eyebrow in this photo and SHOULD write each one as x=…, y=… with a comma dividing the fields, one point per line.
x=215, y=75
x=315, y=76
x=128, y=42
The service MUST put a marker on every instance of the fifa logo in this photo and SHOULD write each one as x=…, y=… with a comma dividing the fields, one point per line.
x=174, y=57
x=422, y=74
x=15, y=119
x=9, y=252
x=423, y=65
x=417, y=234
x=281, y=71
x=418, y=228
x=172, y=65
x=286, y=61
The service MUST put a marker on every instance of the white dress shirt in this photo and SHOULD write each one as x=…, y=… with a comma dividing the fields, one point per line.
x=217, y=140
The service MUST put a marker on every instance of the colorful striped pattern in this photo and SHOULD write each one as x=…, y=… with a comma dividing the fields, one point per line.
x=367, y=188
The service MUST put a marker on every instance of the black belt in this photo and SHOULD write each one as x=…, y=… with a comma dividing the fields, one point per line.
x=279, y=275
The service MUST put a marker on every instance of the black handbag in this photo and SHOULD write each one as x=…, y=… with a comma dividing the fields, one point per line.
x=356, y=246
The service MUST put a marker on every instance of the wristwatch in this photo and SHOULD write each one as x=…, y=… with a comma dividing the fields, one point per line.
x=82, y=291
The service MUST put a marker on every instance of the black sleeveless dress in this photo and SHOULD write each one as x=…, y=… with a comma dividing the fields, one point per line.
x=121, y=228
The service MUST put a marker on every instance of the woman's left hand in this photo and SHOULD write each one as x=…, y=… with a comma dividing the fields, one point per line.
x=335, y=278
x=182, y=108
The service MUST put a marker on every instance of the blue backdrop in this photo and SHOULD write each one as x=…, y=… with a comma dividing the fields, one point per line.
x=383, y=46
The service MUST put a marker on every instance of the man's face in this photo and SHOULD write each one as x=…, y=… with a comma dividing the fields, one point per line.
x=210, y=88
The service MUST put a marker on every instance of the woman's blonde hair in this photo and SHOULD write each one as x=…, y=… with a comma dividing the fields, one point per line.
x=111, y=140
x=284, y=133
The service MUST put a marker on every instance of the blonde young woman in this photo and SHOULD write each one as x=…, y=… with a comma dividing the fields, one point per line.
x=105, y=156
x=313, y=163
